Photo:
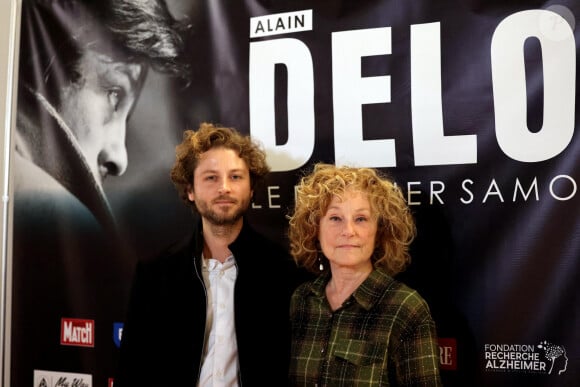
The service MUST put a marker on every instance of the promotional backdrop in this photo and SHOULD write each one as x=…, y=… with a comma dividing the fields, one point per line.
x=469, y=105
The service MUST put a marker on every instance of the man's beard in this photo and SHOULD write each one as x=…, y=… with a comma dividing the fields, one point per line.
x=222, y=219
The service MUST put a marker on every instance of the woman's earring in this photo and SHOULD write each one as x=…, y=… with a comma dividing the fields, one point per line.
x=320, y=266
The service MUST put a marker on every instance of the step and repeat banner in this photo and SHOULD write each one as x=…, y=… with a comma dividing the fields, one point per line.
x=470, y=105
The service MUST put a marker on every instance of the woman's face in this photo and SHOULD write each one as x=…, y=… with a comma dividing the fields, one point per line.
x=348, y=231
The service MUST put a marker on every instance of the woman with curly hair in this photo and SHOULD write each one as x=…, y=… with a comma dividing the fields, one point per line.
x=354, y=324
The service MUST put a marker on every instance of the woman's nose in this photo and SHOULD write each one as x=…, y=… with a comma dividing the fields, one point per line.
x=348, y=228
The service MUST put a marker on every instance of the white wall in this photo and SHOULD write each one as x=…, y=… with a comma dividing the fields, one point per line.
x=9, y=34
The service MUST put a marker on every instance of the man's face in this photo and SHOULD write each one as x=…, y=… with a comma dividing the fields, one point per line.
x=97, y=107
x=221, y=187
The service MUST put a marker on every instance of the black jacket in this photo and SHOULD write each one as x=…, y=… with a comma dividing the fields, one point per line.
x=163, y=335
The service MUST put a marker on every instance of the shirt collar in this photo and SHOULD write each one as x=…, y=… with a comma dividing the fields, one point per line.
x=210, y=264
x=366, y=295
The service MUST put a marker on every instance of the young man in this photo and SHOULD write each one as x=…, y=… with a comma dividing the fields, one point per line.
x=198, y=314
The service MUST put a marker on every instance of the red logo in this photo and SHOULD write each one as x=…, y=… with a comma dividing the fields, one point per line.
x=448, y=353
x=77, y=332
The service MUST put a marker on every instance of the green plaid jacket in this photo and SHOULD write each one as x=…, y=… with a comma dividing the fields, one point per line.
x=383, y=335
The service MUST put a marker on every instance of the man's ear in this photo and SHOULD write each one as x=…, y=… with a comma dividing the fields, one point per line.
x=190, y=194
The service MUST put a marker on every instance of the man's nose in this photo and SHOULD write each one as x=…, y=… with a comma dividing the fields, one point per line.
x=113, y=159
x=224, y=185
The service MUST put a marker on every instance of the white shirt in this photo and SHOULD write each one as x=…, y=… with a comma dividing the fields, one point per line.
x=220, y=362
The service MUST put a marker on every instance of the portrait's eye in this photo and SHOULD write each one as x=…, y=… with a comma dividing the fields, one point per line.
x=115, y=97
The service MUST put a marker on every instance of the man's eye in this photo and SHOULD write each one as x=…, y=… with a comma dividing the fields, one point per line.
x=115, y=97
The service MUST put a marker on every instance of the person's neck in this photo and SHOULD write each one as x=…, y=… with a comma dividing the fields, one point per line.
x=343, y=283
x=217, y=239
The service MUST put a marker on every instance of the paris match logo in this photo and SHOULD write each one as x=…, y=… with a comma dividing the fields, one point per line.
x=77, y=332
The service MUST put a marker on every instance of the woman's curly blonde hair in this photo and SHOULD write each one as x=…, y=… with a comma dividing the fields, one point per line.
x=396, y=226
x=210, y=136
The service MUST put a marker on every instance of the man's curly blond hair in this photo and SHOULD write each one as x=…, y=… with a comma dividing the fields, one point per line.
x=396, y=226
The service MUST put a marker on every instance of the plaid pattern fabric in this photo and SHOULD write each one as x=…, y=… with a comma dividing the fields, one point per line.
x=383, y=335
